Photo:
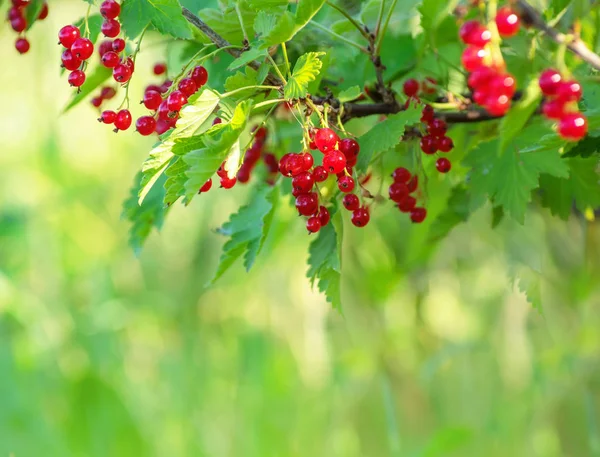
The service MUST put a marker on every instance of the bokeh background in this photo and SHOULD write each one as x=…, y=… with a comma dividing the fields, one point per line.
x=105, y=353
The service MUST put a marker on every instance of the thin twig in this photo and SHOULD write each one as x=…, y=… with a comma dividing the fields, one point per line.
x=339, y=37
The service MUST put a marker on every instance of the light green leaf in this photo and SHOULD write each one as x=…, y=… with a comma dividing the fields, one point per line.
x=242, y=79
x=306, y=11
x=192, y=117
x=165, y=15
x=386, y=134
x=264, y=23
x=306, y=70
x=248, y=229
x=93, y=80
x=512, y=124
x=282, y=31
x=247, y=57
x=347, y=95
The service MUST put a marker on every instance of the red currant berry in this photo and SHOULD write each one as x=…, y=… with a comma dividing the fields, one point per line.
x=104, y=47
x=129, y=63
x=360, y=217
x=503, y=85
x=320, y=174
x=122, y=73
x=443, y=165
x=429, y=144
x=497, y=105
x=243, y=174
x=222, y=172
x=163, y=112
x=145, y=125
x=418, y=215
x=111, y=28
x=307, y=161
x=291, y=165
x=159, y=69
x=324, y=216
x=271, y=162
x=82, y=48
x=429, y=85
x=407, y=204
x=14, y=13
x=43, y=13
x=307, y=204
x=346, y=184
x=550, y=81
x=334, y=162
x=108, y=117
x=437, y=128
x=162, y=126
x=480, y=96
x=107, y=93
x=573, y=127
x=200, y=76
x=69, y=61
x=473, y=57
x=76, y=78
x=401, y=175
x=228, y=183
x=97, y=102
x=261, y=134
x=428, y=114
x=467, y=29
x=480, y=77
x=569, y=91
x=123, y=120
x=110, y=59
x=67, y=35
x=18, y=24
x=164, y=87
x=303, y=182
x=326, y=140
x=176, y=100
x=411, y=87
x=152, y=100
x=349, y=147
x=398, y=191
x=313, y=224
x=480, y=36
x=206, y=186
x=554, y=109
x=118, y=45
x=413, y=184
x=217, y=121
x=188, y=87
x=445, y=144
x=507, y=21
x=351, y=202
x=110, y=9
x=352, y=161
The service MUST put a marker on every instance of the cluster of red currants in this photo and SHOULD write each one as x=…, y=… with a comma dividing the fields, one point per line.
x=120, y=119
x=493, y=87
x=18, y=21
x=106, y=93
x=166, y=102
x=78, y=50
x=561, y=104
x=436, y=140
x=401, y=190
x=253, y=156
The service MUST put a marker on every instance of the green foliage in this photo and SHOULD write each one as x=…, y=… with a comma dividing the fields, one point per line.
x=248, y=229
x=305, y=71
x=164, y=15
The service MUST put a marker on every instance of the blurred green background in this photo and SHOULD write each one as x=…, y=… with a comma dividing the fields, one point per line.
x=105, y=354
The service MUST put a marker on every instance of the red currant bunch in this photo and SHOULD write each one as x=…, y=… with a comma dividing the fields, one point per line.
x=561, y=97
x=401, y=193
x=436, y=140
x=106, y=93
x=77, y=50
x=18, y=21
x=254, y=154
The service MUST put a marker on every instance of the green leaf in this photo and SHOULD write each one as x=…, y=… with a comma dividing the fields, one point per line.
x=165, y=15
x=248, y=229
x=247, y=57
x=352, y=93
x=529, y=282
x=305, y=71
x=143, y=218
x=263, y=5
x=581, y=188
x=385, y=135
x=456, y=212
x=282, y=31
x=585, y=148
x=242, y=79
x=512, y=124
x=93, y=80
x=175, y=182
x=264, y=23
x=219, y=141
x=192, y=117
x=324, y=260
x=509, y=178
x=433, y=12
x=306, y=11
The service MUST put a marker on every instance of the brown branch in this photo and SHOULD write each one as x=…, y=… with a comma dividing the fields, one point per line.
x=576, y=45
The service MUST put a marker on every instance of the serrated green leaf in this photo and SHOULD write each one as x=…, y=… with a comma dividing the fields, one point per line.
x=581, y=189
x=93, y=80
x=192, y=117
x=219, y=141
x=509, y=178
x=175, y=182
x=305, y=71
x=512, y=124
x=385, y=135
x=264, y=23
x=143, y=218
x=247, y=57
x=324, y=261
x=165, y=15
x=352, y=93
x=282, y=31
x=248, y=229
x=242, y=79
